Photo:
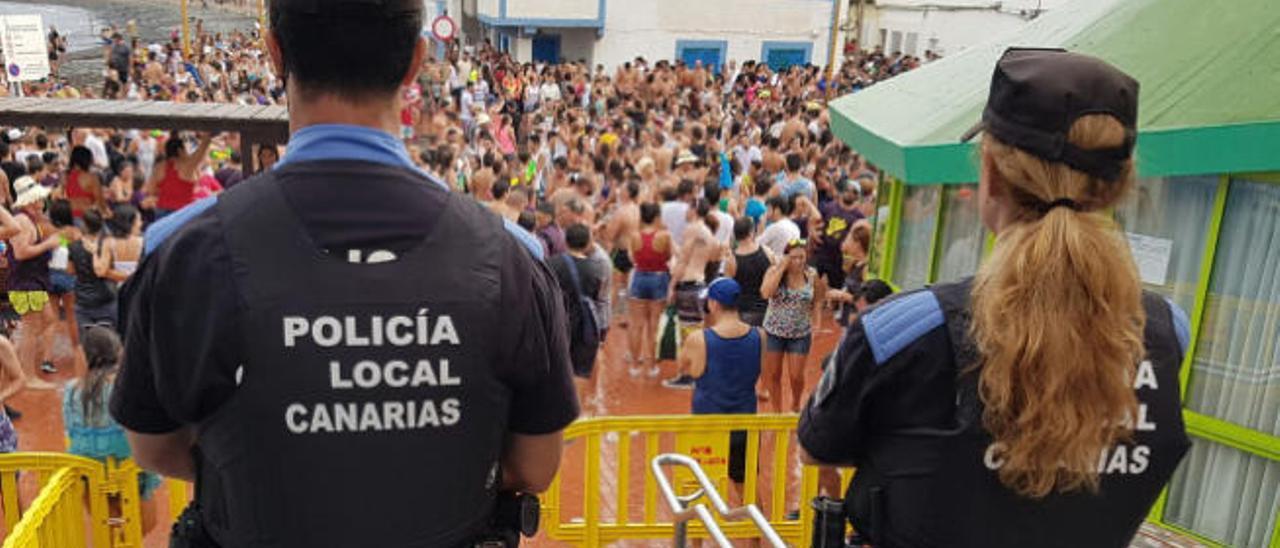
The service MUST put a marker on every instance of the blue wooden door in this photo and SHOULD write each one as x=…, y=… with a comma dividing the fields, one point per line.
x=710, y=57
x=546, y=49
x=782, y=58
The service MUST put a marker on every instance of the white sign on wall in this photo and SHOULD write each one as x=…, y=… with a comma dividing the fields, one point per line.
x=26, y=51
x=1152, y=256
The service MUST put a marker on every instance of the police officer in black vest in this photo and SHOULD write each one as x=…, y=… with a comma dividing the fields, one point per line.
x=340, y=352
x=1037, y=404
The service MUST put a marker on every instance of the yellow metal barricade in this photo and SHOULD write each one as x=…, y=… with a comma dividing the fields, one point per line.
x=179, y=497
x=122, y=479
x=69, y=487
x=614, y=498
x=601, y=507
x=56, y=518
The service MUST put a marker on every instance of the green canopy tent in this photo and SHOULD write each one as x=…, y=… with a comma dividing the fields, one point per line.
x=1210, y=75
x=1204, y=224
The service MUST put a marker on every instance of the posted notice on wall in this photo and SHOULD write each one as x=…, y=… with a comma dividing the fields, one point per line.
x=1152, y=256
x=26, y=52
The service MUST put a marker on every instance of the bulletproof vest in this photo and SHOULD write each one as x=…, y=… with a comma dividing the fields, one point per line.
x=939, y=487
x=368, y=411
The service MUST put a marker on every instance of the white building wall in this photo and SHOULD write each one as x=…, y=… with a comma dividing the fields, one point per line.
x=651, y=28
x=522, y=48
x=487, y=8
x=946, y=26
x=557, y=9
x=431, y=11
x=578, y=45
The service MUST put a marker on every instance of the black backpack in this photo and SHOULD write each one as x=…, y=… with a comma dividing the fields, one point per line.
x=585, y=334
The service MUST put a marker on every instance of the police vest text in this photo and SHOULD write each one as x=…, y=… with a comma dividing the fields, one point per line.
x=416, y=370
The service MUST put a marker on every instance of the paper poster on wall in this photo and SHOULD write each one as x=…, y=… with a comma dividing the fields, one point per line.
x=26, y=52
x=1152, y=256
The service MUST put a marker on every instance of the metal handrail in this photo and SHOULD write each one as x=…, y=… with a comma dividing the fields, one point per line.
x=682, y=512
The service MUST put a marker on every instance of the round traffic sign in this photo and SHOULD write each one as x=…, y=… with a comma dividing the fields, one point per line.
x=444, y=28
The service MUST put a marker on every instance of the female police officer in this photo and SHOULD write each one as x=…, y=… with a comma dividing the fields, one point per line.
x=1036, y=405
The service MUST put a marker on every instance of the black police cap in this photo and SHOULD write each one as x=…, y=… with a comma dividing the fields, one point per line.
x=349, y=7
x=1036, y=96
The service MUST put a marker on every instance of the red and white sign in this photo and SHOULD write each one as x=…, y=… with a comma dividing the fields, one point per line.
x=444, y=28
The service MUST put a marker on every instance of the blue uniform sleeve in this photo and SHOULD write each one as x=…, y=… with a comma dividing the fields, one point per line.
x=1181, y=325
x=161, y=230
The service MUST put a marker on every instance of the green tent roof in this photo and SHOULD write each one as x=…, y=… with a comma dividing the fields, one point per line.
x=1210, y=99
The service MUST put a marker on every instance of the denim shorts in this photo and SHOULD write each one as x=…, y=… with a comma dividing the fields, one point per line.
x=649, y=286
x=790, y=346
x=61, y=282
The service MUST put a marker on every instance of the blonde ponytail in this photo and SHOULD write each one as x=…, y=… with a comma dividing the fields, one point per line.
x=1058, y=319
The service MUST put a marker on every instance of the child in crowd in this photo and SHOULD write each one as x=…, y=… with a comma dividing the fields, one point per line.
x=91, y=430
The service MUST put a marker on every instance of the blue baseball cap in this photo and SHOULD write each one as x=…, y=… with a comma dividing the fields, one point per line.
x=723, y=291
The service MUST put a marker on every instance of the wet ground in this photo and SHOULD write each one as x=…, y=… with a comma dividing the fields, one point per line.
x=83, y=20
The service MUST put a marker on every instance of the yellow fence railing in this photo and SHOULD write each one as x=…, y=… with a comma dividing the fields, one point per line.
x=69, y=488
x=56, y=518
x=616, y=497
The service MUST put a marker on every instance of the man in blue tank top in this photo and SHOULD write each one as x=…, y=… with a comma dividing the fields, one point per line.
x=725, y=359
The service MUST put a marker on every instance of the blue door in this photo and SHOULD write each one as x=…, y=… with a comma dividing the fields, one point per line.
x=783, y=58
x=708, y=55
x=546, y=48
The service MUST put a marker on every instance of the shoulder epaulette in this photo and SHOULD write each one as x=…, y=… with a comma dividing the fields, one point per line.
x=894, y=325
x=1181, y=325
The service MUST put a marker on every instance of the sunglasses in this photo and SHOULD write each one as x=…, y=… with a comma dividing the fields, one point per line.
x=800, y=244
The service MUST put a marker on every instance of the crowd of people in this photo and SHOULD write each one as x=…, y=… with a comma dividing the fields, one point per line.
x=644, y=183
x=660, y=177
x=76, y=202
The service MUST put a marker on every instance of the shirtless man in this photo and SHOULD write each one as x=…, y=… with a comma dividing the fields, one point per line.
x=621, y=228
x=663, y=157
x=437, y=124
x=773, y=160
x=794, y=126
x=626, y=78
x=699, y=77
x=650, y=184
x=500, y=190
x=580, y=191
x=153, y=71
x=624, y=222
x=688, y=279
